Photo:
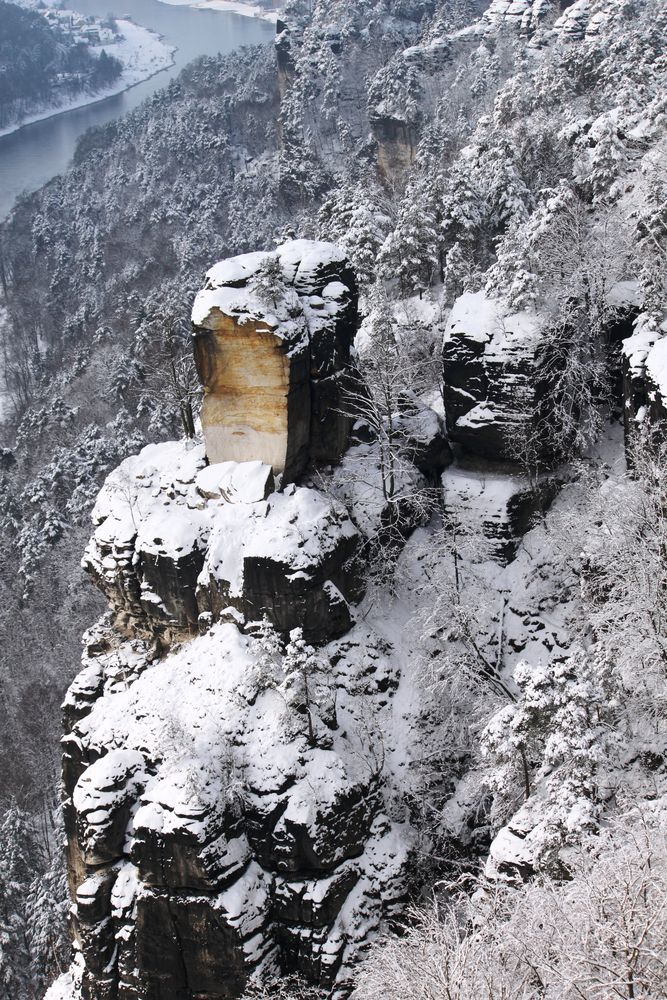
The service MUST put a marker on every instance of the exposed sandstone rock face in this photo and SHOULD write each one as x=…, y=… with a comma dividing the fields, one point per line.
x=395, y=120
x=396, y=144
x=583, y=18
x=210, y=838
x=571, y=21
x=272, y=335
x=528, y=16
x=223, y=800
x=491, y=377
x=177, y=542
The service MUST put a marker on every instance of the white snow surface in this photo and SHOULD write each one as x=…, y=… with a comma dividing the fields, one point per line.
x=477, y=317
x=63, y=988
x=153, y=504
x=297, y=528
x=189, y=713
x=98, y=786
x=236, y=482
x=200, y=706
x=311, y=298
x=656, y=366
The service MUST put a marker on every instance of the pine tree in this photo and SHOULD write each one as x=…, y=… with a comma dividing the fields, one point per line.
x=268, y=649
x=47, y=909
x=608, y=158
x=268, y=282
x=557, y=732
x=19, y=859
x=308, y=687
x=356, y=217
x=411, y=251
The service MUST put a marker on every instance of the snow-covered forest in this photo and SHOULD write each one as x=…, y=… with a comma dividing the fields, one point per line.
x=441, y=771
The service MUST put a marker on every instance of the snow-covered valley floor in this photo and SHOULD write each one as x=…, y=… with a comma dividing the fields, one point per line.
x=142, y=52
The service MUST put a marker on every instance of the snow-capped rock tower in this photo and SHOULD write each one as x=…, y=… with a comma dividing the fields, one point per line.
x=272, y=338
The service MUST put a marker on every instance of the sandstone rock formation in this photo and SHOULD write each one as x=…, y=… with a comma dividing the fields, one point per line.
x=526, y=15
x=493, y=388
x=227, y=813
x=572, y=21
x=176, y=542
x=491, y=376
x=272, y=335
x=209, y=838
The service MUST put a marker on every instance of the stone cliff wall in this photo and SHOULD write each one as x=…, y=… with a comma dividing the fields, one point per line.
x=211, y=839
x=226, y=811
x=223, y=803
x=177, y=542
x=272, y=336
x=493, y=389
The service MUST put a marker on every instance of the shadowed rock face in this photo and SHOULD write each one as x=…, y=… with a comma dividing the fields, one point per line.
x=178, y=542
x=396, y=144
x=491, y=376
x=272, y=338
x=209, y=838
x=493, y=387
x=495, y=504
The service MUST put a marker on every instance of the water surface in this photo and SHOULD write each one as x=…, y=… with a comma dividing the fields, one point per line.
x=36, y=153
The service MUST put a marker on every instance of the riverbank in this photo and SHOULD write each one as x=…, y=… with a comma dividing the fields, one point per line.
x=230, y=7
x=143, y=54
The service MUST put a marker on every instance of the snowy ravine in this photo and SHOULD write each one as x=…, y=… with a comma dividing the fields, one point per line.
x=142, y=53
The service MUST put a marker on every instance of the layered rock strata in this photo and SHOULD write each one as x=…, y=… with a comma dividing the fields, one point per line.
x=272, y=338
x=526, y=15
x=571, y=21
x=491, y=376
x=494, y=386
x=490, y=506
x=217, y=834
x=177, y=542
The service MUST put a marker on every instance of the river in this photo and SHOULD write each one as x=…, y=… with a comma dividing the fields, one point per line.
x=36, y=153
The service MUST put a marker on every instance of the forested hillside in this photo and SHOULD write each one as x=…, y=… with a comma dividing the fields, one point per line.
x=39, y=61
x=496, y=177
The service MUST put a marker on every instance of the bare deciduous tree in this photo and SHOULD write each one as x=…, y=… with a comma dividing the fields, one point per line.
x=170, y=376
x=598, y=936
